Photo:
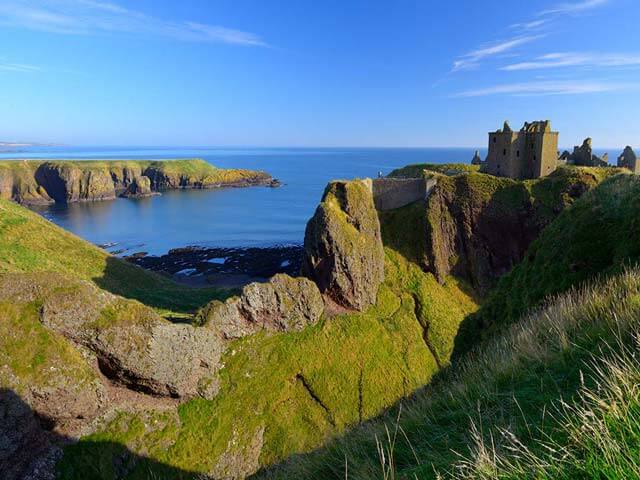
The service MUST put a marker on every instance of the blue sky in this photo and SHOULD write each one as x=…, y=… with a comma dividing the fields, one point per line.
x=317, y=73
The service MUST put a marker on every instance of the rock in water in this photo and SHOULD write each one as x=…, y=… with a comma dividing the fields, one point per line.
x=139, y=187
x=343, y=246
x=282, y=304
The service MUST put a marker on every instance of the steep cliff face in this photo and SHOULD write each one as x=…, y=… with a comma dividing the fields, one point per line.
x=478, y=227
x=343, y=246
x=66, y=183
x=38, y=182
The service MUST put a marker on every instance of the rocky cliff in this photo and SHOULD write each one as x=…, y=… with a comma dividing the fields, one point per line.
x=477, y=226
x=43, y=182
x=344, y=255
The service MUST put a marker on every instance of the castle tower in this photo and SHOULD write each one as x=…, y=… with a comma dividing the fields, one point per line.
x=529, y=153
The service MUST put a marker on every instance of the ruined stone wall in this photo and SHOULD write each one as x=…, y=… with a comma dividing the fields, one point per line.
x=390, y=193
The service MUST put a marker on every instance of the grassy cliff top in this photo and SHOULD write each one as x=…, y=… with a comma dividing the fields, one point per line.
x=29, y=243
x=420, y=170
x=193, y=167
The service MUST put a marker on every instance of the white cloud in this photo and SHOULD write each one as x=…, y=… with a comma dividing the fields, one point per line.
x=548, y=88
x=573, y=7
x=532, y=25
x=569, y=59
x=18, y=67
x=85, y=17
x=472, y=59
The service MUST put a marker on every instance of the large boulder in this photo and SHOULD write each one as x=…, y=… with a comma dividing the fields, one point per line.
x=344, y=255
x=132, y=344
x=282, y=304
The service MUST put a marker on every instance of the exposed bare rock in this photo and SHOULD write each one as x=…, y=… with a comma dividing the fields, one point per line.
x=282, y=304
x=139, y=187
x=134, y=346
x=67, y=183
x=477, y=159
x=343, y=247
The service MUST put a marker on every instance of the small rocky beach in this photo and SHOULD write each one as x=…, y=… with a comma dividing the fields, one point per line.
x=224, y=267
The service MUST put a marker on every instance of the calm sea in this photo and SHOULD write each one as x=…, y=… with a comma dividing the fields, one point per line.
x=257, y=216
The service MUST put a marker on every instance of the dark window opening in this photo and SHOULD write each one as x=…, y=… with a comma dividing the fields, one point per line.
x=504, y=152
x=517, y=153
x=494, y=139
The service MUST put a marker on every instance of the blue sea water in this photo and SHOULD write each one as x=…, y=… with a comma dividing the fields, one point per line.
x=233, y=217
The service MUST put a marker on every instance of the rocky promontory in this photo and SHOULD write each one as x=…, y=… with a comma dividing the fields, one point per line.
x=34, y=182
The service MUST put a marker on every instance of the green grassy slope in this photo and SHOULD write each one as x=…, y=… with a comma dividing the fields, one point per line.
x=300, y=389
x=29, y=243
x=597, y=236
x=555, y=396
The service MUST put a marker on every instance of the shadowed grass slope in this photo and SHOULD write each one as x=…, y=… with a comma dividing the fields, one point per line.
x=29, y=243
x=294, y=391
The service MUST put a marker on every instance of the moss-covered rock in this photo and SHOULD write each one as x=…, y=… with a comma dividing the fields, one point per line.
x=343, y=245
x=132, y=344
x=282, y=304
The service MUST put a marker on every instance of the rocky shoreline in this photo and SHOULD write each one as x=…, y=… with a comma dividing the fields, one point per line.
x=227, y=267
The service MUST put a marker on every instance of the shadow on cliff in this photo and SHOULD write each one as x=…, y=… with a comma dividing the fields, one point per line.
x=154, y=290
x=29, y=449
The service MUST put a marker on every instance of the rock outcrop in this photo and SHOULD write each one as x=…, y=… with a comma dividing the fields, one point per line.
x=133, y=346
x=38, y=182
x=66, y=183
x=139, y=187
x=477, y=226
x=344, y=255
x=477, y=159
x=282, y=304
x=629, y=160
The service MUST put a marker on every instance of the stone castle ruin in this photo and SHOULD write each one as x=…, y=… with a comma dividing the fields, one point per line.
x=583, y=156
x=531, y=152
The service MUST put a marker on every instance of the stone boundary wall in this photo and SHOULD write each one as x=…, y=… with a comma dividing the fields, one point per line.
x=390, y=193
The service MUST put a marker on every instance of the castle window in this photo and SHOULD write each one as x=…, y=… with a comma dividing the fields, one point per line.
x=494, y=139
x=517, y=153
x=504, y=152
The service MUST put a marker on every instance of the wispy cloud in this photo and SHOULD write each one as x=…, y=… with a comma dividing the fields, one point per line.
x=18, y=67
x=573, y=7
x=529, y=31
x=569, y=59
x=473, y=58
x=85, y=17
x=532, y=25
x=568, y=87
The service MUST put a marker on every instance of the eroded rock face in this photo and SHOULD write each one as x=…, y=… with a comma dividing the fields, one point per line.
x=343, y=247
x=68, y=183
x=139, y=187
x=478, y=227
x=282, y=304
x=133, y=345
